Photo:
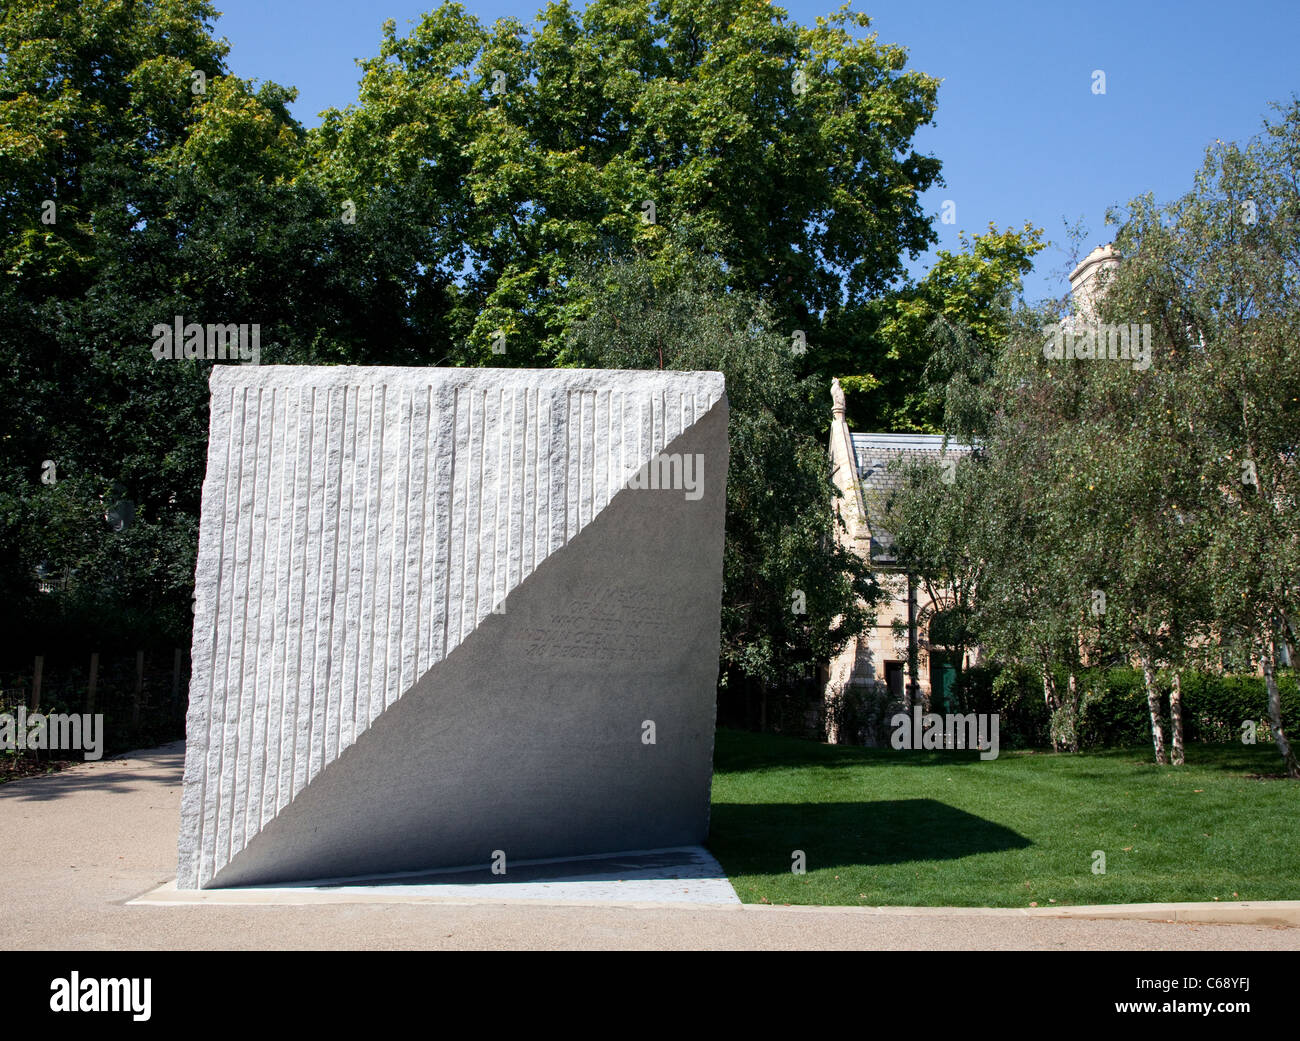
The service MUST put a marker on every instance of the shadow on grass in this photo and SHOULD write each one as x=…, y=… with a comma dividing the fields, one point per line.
x=754, y=839
x=1231, y=758
x=1237, y=758
x=737, y=751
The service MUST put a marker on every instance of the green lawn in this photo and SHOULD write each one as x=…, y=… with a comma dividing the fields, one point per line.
x=880, y=826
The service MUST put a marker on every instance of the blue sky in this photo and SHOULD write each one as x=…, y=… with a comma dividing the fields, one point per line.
x=1020, y=132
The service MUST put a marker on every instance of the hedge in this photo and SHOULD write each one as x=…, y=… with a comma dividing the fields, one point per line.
x=1115, y=710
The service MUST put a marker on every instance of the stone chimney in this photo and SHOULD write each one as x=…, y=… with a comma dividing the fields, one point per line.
x=1085, y=281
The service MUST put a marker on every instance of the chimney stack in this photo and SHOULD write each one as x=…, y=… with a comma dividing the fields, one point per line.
x=1085, y=282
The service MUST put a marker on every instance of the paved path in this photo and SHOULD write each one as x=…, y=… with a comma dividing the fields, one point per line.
x=78, y=846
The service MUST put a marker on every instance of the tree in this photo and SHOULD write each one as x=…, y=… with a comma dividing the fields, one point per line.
x=897, y=354
x=792, y=595
x=1161, y=486
x=1130, y=485
x=92, y=97
x=143, y=183
x=1217, y=273
x=997, y=531
x=931, y=517
x=784, y=150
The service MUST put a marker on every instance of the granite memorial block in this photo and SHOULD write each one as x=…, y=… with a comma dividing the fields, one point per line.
x=451, y=617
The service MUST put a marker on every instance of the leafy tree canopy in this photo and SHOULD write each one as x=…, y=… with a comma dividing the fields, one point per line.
x=786, y=148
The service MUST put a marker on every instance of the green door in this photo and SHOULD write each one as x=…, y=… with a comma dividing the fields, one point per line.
x=943, y=681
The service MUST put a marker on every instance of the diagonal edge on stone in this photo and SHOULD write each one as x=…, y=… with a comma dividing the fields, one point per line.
x=529, y=737
x=289, y=597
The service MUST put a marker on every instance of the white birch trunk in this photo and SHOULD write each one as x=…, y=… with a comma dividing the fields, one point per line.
x=1275, y=704
x=1049, y=699
x=1153, y=704
x=1176, y=717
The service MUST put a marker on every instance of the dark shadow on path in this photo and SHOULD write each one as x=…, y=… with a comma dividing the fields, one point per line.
x=126, y=773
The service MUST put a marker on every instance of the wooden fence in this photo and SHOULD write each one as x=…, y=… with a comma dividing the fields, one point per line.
x=142, y=694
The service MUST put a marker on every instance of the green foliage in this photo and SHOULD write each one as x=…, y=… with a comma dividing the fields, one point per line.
x=1112, y=710
x=930, y=335
x=95, y=100
x=528, y=149
x=1119, y=511
x=166, y=201
x=1214, y=707
x=860, y=714
x=140, y=181
x=1016, y=695
x=780, y=499
x=1222, y=290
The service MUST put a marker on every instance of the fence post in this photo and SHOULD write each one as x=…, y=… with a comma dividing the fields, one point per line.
x=36, y=683
x=139, y=688
x=176, y=680
x=93, y=682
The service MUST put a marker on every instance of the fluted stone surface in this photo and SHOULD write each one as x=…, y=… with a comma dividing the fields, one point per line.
x=432, y=618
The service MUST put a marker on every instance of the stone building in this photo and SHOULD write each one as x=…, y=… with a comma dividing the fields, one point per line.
x=1087, y=280
x=903, y=654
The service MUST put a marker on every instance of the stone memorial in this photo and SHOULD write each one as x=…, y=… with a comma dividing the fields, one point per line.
x=451, y=617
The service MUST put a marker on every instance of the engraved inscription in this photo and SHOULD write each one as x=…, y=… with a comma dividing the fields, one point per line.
x=609, y=623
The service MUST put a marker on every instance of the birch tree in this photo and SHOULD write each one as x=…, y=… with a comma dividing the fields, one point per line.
x=1219, y=272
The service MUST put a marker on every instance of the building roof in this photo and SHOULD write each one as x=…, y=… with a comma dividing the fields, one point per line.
x=874, y=455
